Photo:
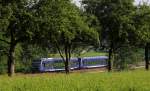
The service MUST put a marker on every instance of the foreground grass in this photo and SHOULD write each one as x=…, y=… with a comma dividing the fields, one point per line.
x=138, y=80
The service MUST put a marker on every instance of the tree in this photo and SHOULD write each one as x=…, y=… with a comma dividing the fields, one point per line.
x=63, y=27
x=115, y=17
x=16, y=25
x=142, y=29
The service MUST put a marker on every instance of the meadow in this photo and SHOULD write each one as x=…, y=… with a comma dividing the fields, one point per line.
x=137, y=80
x=86, y=54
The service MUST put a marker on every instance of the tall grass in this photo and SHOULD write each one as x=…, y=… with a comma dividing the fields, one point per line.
x=138, y=80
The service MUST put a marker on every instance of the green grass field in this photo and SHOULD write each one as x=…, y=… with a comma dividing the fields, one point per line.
x=87, y=54
x=138, y=80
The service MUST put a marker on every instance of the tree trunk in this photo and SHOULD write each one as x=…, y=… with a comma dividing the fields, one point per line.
x=146, y=57
x=11, y=60
x=110, y=57
x=67, y=68
x=109, y=60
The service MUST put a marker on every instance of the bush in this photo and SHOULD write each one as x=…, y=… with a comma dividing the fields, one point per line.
x=3, y=64
x=128, y=57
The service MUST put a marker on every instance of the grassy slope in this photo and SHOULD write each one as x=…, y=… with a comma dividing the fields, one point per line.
x=87, y=54
x=90, y=54
x=120, y=81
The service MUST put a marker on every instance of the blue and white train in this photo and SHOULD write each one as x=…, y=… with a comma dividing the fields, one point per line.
x=57, y=64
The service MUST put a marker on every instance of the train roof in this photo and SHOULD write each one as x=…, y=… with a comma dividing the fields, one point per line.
x=96, y=57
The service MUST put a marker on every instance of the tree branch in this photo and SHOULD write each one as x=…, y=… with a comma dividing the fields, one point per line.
x=60, y=53
x=69, y=50
x=5, y=41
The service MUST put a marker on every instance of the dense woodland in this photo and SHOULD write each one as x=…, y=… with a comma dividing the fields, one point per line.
x=32, y=29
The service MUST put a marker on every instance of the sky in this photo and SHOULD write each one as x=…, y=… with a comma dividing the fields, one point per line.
x=77, y=2
x=140, y=1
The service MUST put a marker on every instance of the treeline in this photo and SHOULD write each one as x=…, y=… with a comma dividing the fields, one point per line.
x=123, y=24
x=60, y=26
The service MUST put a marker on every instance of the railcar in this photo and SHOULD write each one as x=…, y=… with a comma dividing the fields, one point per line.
x=57, y=64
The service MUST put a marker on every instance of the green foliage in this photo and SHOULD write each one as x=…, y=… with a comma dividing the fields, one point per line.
x=128, y=57
x=62, y=23
x=142, y=22
x=119, y=81
x=115, y=17
x=62, y=27
x=3, y=64
x=27, y=54
x=17, y=26
x=24, y=55
x=59, y=26
x=116, y=21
